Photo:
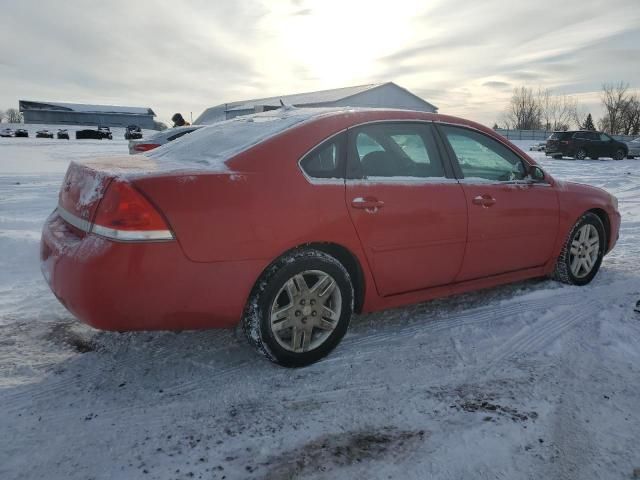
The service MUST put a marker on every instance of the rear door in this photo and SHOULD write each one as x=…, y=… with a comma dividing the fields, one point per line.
x=513, y=222
x=409, y=211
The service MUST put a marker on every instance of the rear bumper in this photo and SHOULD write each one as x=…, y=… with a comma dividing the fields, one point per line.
x=141, y=286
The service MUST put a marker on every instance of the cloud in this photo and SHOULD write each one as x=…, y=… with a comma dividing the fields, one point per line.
x=496, y=84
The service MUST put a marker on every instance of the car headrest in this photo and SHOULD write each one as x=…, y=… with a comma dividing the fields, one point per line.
x=378, y=164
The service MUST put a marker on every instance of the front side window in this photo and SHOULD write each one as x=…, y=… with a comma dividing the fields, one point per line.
x=604, y=137
x=481, y=157
x=394, y=150
x=326, y=160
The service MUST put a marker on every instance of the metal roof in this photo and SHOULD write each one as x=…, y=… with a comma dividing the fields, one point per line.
x=83, y=108
x=307, y=98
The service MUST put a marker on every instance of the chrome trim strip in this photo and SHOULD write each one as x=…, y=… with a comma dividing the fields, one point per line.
x=131, y=235
x=71, y=219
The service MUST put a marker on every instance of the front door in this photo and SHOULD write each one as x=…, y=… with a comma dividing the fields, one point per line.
x=408, y=210
x=513, y=222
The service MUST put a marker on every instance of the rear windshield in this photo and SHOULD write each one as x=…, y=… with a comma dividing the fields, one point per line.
x=560, y=135
x=213, y=145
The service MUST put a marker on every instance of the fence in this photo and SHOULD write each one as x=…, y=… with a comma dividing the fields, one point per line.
x=544, y=134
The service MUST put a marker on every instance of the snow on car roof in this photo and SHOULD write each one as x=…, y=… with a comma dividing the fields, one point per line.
x=212, y=145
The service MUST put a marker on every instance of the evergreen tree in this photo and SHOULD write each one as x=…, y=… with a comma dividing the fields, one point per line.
x=588, y=123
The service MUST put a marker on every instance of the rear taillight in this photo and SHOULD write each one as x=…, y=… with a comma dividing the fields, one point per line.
x=125, y=214
x=144, y=147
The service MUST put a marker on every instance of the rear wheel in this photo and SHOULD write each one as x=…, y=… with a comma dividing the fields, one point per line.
x=300, y=308
x=557, y=157
x=619, y=155
x=581, y=154
x=582, y=253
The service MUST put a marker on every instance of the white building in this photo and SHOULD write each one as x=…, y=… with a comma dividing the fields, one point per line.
x=381, y=95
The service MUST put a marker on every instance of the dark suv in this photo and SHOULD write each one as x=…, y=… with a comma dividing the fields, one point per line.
x=584, y=143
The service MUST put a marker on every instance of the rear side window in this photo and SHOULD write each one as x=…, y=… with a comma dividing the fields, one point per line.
x=482, y=157
x=326, y=160
x=560, y=135
x=393, y=150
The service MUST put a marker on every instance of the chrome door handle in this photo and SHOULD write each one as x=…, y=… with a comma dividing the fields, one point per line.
x=367, y=203
x=484, y=200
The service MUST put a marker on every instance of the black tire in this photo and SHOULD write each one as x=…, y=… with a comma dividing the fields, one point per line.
x=557, y=157
x=563, y=272
x=594, y=157
x=630, y=157
x=256, y=323
x=619, y=155
x=580, y=154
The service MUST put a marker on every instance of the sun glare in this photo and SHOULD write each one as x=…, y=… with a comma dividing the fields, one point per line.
x=339, y=43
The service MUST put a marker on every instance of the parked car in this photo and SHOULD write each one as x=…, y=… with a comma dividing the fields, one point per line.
x=585, y=143
x=106, y=132
x=290, y=221
x=97, y=134
x=538, y=147
x=6, y=132
x=132, y=132
x=63, y=134
x=21, y=132
x=160, y=138
x=634, y=148
x=44, y=133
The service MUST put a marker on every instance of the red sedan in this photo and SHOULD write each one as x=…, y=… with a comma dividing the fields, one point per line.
x=290, y=221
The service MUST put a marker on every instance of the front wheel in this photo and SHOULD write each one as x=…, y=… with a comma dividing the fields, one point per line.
x=582, y=253
x=619, y=155
x=300, y=308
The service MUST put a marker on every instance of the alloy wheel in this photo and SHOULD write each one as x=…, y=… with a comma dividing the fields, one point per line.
x=584, y=251
x=306, y=310
x=581, y=154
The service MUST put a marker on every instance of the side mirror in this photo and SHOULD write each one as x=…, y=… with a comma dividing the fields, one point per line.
x=537, y=174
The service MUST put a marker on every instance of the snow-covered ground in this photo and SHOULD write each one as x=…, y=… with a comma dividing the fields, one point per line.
x=534, y=380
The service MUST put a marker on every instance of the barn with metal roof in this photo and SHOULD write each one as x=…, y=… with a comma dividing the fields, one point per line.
x=379, y=95
x=59, y=113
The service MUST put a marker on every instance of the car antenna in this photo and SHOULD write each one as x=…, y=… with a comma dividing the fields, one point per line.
x=286, y=106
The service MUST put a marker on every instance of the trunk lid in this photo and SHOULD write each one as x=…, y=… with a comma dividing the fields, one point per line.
x=85, y=183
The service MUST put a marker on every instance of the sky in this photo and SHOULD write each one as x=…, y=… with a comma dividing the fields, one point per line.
x=464, y=56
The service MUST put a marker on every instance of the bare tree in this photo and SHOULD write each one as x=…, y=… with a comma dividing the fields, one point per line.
x=13, y=115
x=615, y=101
x=523, y=111
x=630, y=122
x=557, y=112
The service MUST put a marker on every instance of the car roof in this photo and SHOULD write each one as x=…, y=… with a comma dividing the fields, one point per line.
x=216, y=143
